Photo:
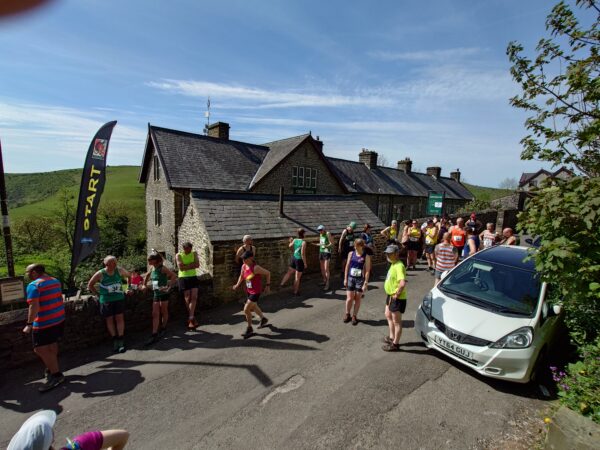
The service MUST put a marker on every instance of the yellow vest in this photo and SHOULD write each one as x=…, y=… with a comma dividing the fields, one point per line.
x=187, y=259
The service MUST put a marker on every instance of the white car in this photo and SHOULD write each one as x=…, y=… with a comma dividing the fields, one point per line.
x=490, y=314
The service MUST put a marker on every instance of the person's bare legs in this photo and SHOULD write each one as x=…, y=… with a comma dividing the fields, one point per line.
x=110, y=326
x=357, y=301
x=297, y=282
x=349, y=301
x=248, y=308
x=49, y=356
x=397, y=320
x=120, y=320
x=390, y=320
x=155, y=317
x=164, y=313
x=193, y=301
x=114, y=439
x=287, y=276
x=323, y=270
x=326, y=265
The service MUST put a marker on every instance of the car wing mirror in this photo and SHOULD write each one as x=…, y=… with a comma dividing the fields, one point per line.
x=556, y=309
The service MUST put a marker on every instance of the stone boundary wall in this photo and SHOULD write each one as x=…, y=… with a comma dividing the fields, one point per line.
x=503, y=218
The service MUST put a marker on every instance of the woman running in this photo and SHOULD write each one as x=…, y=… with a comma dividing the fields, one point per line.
x=162, y=281
x=356, y=279
x=250, y=273
x=297, y=262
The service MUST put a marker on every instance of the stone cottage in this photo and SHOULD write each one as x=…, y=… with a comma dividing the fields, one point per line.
x=212, y=190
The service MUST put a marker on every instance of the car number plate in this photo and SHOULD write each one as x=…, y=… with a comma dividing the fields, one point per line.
x=453, y=348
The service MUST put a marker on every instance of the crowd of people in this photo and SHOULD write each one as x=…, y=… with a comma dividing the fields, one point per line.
x=441, y=243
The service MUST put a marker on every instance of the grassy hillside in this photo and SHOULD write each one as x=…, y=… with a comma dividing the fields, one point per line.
x=487, y=193
x=37, y=194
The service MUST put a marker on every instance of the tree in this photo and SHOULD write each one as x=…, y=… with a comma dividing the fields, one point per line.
x=561, y=88
x=65, y=215
x=509, y=183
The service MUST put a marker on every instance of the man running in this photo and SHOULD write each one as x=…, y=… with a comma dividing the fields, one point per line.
x=356, y=279
x=251, y=274
x=459, y=237
x=112, y=299
x=325, y=245
x=162, y=281
x=431, y=237
x=508, y=237
x=45, y=321
x=445, y=259
x=395, y=304
x=188, y=262
x=297, y=261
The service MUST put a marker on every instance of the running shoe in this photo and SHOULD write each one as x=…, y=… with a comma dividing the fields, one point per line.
x=121, y=346
x=387, y=340
x=52, y=381
x=354, y=320
x=195, y=323
x=263, y=322
x=153, y=340
x=115, y=345
x=347, y=318
x=326, y=287
x=249, y=331
x=391, y=347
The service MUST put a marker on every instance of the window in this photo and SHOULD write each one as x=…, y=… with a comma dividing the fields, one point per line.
x=314, y=179
x=156, y=166
x=157, y=213
x=304, y=177
x=300, y=176
x=294, y=176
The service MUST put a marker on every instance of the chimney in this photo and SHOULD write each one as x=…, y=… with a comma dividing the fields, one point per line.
x=405, y=165
x=219, y=130
x=434, y=171
x=368, y=158
x=455, y=175
x=319, y=144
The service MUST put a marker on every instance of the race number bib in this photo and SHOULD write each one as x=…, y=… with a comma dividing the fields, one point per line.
x=355, y=272
x=413, y=239
x=457, y=238
x=249, y=284
x=155, y=285
x=113, y=288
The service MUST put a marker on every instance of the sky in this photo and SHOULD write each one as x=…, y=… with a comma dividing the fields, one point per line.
x=428, y=80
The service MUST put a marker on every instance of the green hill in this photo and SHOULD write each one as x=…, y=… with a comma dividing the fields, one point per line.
x=487, y=193
x=37, y=193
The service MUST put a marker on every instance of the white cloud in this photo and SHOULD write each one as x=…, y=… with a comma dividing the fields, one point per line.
x=426, y=55
x=263, y=98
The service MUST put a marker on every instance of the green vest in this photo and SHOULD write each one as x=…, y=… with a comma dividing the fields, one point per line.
x=111, y=287
x=298, y=248
x=187, y=259
x=159, y=280
x=324, y=242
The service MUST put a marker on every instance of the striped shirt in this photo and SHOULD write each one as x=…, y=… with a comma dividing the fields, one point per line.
x=445, y=258
x=47, y=291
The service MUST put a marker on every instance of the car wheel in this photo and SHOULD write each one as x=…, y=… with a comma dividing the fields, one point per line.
x=541, y=376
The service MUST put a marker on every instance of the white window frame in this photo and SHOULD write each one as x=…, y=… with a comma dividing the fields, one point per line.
x=295, y=176
x=300, y=177
x=157, y=213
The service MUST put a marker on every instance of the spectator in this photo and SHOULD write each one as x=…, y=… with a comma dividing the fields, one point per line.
x=391, y=233
x=508, y=237
x=472, y=245
x=188, y=262
x=325, y=245
x=368, y=239
x=45, y=321
x=345, y=245
x=489, y=237
x=247, y=246
x=414, y=244
x=445, y=258
x=162, y=281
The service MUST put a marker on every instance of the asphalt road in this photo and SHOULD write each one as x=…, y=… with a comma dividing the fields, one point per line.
x=308, y=381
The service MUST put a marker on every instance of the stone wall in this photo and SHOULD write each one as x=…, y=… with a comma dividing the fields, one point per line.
x=193, y=230
x=84, y=327
x=304, y=156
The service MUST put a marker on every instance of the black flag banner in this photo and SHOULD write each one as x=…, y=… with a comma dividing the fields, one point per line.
x=93, y=178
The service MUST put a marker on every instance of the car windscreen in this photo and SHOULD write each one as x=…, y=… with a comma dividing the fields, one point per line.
x=500, y=288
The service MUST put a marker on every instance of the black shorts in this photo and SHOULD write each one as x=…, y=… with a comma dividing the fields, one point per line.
x=161, y=298
x=458, y=250
x=110, y=309
x=398, y=305
x=253, y=297
x=429, y=249
x=324, y=256
x=355, y=284
x=297, y=264
x=47, y=336
x=187, y=283
x=413, y=245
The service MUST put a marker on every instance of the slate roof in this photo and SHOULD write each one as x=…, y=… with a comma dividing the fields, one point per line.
x=195, y=161
x=226, y=216
x=358, y=178
x=278, y=151
x=526, y=177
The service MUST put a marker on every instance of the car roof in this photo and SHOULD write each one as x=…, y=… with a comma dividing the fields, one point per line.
x=507, y=255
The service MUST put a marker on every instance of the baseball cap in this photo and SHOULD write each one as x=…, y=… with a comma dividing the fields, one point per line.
x=320, y=228
x=391, y=249
x=36, y=433
x=247, y=254
x=352, y=225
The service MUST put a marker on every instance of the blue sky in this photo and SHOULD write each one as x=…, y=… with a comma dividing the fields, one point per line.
x=428, y=80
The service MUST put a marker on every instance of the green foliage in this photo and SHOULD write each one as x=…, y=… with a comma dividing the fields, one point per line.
x=474, y=205
x=487, y=193
x=566, y=215
x=561, y=88
x=579, y=385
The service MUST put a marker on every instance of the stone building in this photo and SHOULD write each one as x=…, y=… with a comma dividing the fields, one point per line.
x=212, y=190
x=531, y=180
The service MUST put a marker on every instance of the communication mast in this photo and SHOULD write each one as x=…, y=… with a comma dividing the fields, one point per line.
x=207, y=115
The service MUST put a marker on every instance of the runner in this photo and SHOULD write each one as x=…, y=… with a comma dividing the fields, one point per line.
x=251, y=273
x=395, y=304
x=391, y=233
x=247, y=246
x=414, y=243
x=112, y=299
x=162, y=281
x=366, y=236
x=473, y=243
x=297, y=261
x=474, y=223
x=431, y=237
x=356, y=279
x=459, y=235
x=188, y=262
x=325, y=245
x=489, y=237
x=345, y=246
x=445, y=258
x=508, y=237
x=45, y=321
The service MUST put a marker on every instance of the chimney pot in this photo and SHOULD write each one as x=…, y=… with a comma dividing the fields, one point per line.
x=368, y=158
x=455, y=175
x=405, y=165
x=219, y=130
x=434, y=171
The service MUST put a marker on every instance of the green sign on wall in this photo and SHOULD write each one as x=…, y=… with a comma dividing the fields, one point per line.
x=435, y=203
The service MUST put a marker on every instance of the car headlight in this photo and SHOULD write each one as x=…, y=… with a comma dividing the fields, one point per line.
x=521, y=338
x=426, y=305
